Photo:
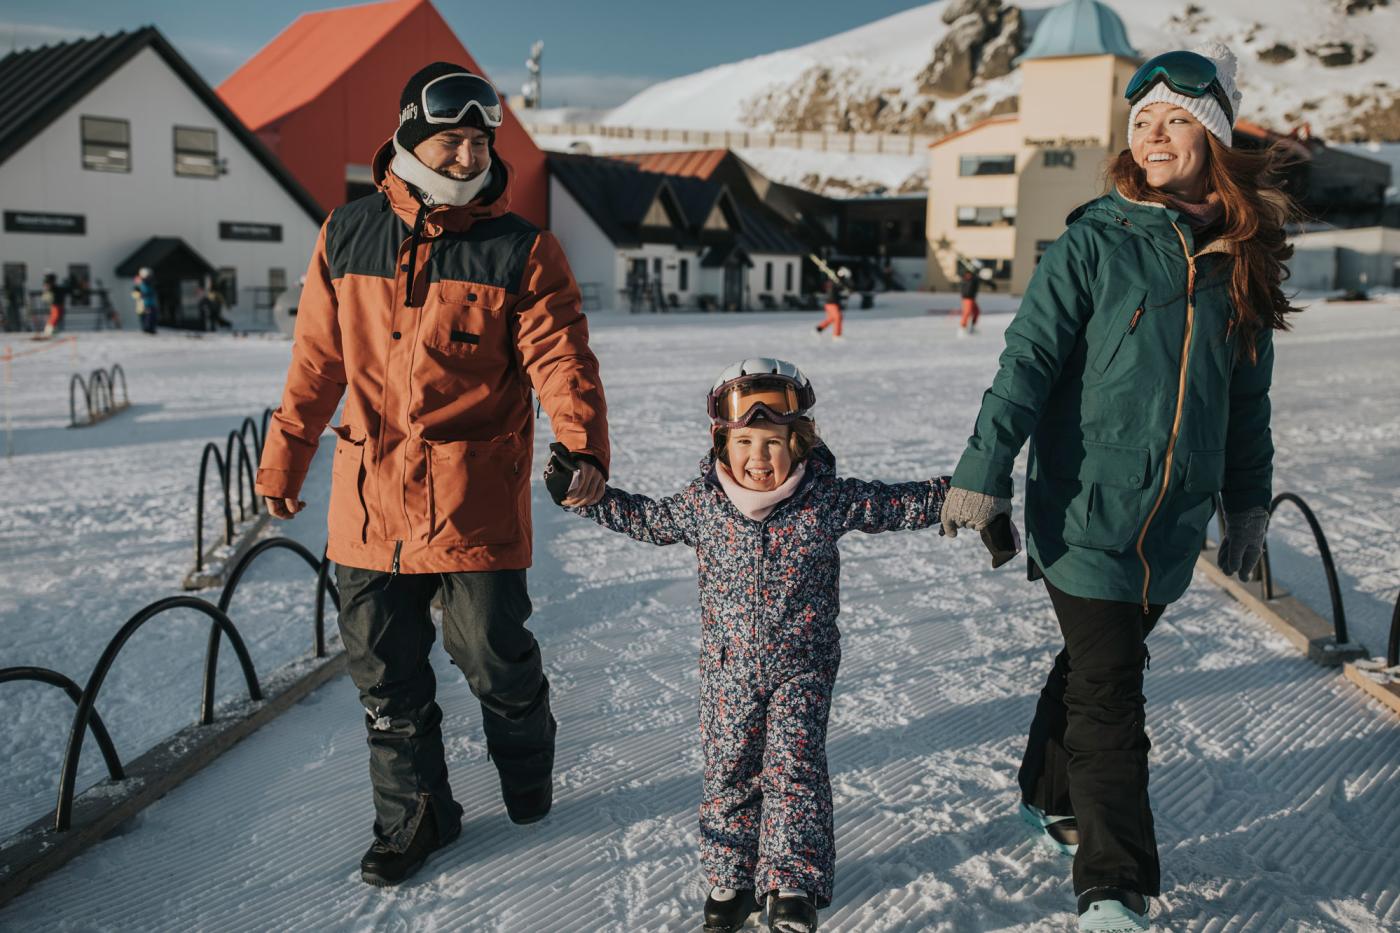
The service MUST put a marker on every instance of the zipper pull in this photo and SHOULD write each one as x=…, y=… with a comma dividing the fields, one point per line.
x=394, y=567
x=1137, y=316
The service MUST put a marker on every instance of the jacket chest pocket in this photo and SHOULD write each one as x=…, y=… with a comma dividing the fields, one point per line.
x=1123, y=325
x=468, y=322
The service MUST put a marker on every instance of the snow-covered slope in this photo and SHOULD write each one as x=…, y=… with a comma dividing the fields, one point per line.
x=869, y=77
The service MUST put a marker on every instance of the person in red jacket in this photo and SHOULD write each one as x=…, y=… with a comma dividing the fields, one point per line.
x=436, y=313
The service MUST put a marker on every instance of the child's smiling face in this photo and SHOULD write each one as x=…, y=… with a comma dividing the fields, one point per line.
x=759, y=456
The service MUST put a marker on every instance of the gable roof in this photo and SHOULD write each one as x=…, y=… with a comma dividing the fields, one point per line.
x=698, y=163
x=614, y=194
x=37, y=86
x=295, y=62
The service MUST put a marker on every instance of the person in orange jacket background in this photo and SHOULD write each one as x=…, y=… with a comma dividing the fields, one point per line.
x=435, y=312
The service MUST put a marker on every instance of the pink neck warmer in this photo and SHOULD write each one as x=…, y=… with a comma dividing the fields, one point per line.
x=1201, y=214
x=755, y=503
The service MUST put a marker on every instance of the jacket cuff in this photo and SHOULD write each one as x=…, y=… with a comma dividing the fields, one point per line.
x=983, y=474
x=279, y=484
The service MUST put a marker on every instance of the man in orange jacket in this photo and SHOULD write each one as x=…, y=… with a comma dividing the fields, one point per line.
x=435, y=311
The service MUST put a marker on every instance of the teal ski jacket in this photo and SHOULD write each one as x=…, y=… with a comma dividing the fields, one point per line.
x=1121, y=367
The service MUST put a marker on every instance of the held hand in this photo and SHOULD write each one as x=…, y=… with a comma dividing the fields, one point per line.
x=283, y=508
x=588, y=486
x=1243, y=542
x=963, y=508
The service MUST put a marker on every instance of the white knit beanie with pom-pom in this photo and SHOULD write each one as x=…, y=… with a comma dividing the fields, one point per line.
x=1205, y=108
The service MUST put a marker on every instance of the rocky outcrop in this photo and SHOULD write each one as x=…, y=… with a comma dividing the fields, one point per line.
x=983, y=39
x=1277, y=53
x=1340, y=53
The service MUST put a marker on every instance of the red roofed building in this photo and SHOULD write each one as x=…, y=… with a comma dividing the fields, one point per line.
x=324, y=95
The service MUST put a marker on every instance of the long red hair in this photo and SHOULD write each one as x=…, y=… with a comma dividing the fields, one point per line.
x=1256, y=208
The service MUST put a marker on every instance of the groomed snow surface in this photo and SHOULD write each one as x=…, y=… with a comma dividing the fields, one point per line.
x=1276, y=785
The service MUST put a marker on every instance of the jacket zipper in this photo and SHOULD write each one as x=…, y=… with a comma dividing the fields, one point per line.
x=413, y=253
x=1176, y=419
x=1137, y=316
x=394, y=567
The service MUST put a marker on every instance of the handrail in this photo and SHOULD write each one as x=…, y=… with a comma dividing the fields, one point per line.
x=99, y=730
x=63, y=816
x=209, y=448
x=1339, y=618
x=78, y=381
x=1392, y=651
x=211, y=657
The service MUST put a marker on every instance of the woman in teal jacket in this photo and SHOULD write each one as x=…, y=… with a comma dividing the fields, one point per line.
x=1138, y=366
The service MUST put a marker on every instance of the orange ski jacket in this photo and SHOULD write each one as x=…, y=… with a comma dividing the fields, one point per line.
x=435, y=324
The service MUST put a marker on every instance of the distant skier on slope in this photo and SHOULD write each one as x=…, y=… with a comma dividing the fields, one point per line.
x=764, y=518
x=1139, y=367
x=437, y=313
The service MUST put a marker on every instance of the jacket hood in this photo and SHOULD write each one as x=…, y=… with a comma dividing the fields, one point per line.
x=493, y=201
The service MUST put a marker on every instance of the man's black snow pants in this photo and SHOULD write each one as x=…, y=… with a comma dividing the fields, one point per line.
x=1087, y=752
x=387, y=631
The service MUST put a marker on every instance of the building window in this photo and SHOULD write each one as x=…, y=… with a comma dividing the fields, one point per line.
x=683, y=275
x=916, y=230
x=227, y=283
x=987, y=165
x=106, y=144
x=767, y=276
x=986, y=217
x=787, y=286
x=276, y=281
x=1001, y=268
x=196, y=152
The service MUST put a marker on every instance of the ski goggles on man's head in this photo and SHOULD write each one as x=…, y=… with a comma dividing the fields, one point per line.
x=739, y=402
x=1187, y=73
x=447, y=99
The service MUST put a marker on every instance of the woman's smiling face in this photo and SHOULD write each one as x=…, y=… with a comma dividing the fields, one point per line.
x=1170, y=146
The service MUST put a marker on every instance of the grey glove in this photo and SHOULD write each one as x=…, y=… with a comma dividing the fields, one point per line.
x=1243, y=541
x=963, y=508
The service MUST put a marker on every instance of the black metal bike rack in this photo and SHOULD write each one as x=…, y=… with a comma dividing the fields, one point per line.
x=99, y=730
x=211, y=448
x=1392, y=651
x=99, y=395
x=64, y=813
x=1334, y=589
x=323, y=584
x=233, y=474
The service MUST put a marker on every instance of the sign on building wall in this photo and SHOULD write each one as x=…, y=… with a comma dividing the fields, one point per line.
x=243, y=230
x=39, y=222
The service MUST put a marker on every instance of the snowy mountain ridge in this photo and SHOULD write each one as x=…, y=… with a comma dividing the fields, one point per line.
x=941, y=66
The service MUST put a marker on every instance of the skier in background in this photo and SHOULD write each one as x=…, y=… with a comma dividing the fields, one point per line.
x=143, y=291
x=970, y=281
x=55, y=296
x=836, y=292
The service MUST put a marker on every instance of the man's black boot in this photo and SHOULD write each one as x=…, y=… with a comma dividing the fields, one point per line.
x=529, y=806
x=383, y=866
x=728, y=914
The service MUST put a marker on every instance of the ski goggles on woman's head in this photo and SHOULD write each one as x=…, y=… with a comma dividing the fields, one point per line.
x=1187, y=73
x=447, y=99
x=739, y=402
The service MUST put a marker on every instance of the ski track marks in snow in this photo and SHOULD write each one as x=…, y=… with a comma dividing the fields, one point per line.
x=1274, y=784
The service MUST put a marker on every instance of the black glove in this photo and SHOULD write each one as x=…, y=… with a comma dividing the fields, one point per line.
x=559, y=472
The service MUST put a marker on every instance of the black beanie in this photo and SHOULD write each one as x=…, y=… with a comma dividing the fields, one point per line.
x=413, y=127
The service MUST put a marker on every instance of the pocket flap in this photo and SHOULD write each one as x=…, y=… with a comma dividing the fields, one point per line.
x=1106, y=464
x=1205, y=471
x=486, y=297
x=348, y=434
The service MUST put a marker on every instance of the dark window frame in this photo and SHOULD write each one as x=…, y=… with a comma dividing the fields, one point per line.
x=177, y=151
x=994, y=164
x=84, y=142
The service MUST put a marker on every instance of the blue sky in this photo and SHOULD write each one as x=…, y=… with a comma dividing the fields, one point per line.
x=596, y=53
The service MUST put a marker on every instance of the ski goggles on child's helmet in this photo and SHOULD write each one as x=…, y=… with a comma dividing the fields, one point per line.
x=1187, y=73
x=447, y=99
x=772, y=389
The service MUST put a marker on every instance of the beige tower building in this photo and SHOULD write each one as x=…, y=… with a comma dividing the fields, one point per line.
x=999, y=191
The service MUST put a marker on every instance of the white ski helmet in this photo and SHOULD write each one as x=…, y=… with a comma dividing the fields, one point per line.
x=773, y=389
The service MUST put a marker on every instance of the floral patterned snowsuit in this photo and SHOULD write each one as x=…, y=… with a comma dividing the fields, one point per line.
x=769, y=597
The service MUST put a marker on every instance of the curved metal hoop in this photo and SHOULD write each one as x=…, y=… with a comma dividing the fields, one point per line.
x=101, y=387
x=99, y=731
x=211, y=448
x=211, y=657
x=324, y=586
x=243, y=467
x=63, y=816
x=1334, y=589
x=77, y=382
x=266, y=417
x=112, y=375
x=250, y=427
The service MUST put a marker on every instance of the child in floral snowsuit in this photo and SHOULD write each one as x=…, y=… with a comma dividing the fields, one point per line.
x=764, y=517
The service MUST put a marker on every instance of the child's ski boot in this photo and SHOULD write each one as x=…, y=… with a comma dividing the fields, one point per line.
x=791, y=912
x=1061, y=832
x=726, y=909
x=1112, y=910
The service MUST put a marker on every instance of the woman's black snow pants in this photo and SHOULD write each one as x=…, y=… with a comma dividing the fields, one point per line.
x=1087, y=752
x=388, y=632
